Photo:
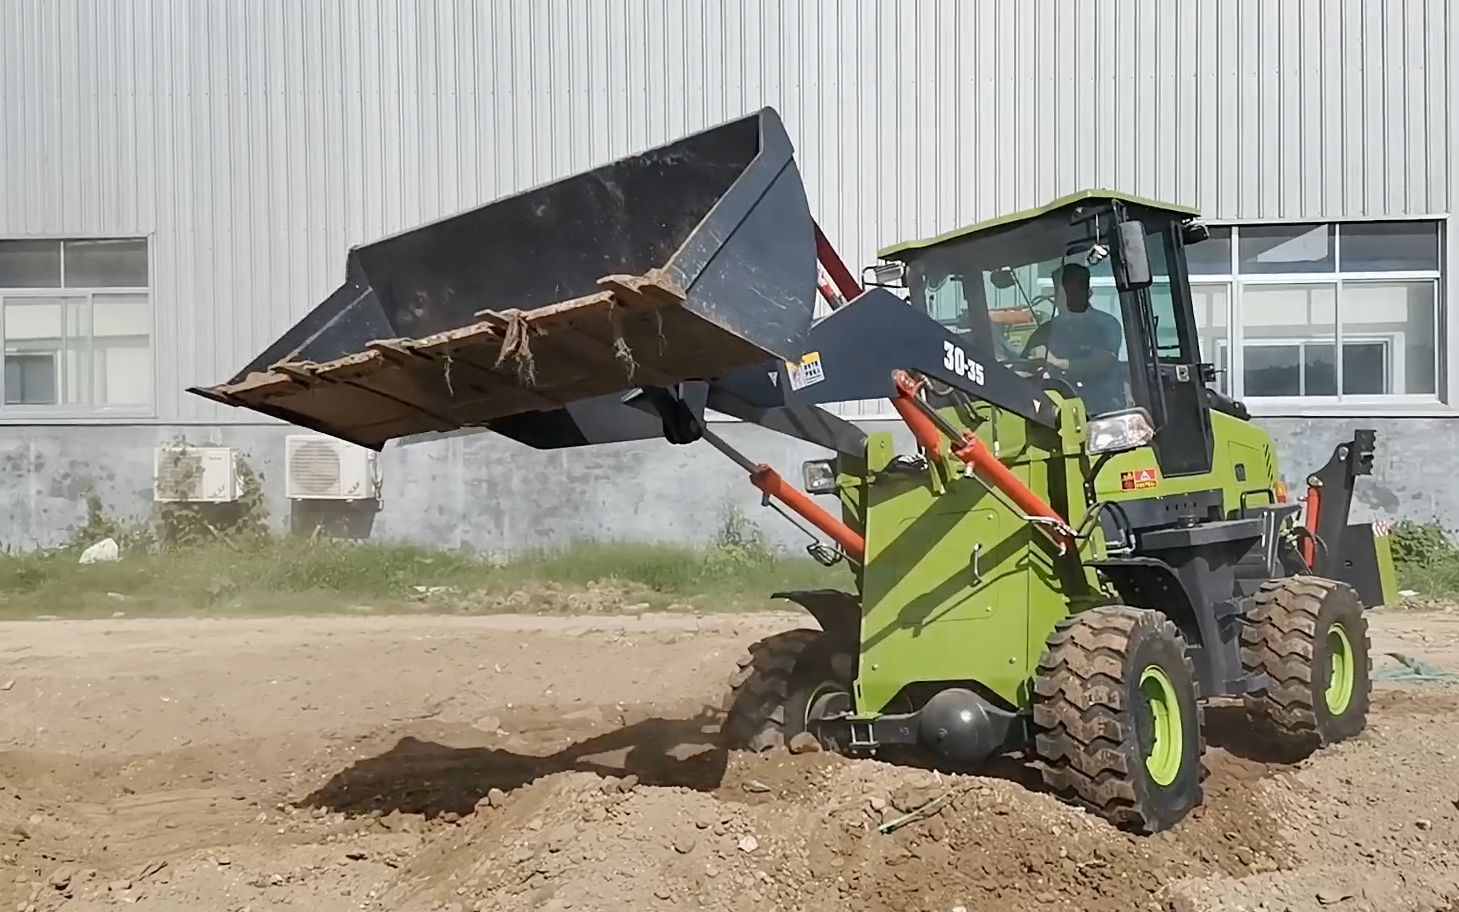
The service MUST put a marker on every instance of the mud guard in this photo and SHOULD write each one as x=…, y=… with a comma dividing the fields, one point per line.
x=1206, y=615
x=838, y=613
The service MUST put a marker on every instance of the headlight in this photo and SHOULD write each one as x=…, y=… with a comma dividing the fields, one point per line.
x=819, y=475
x=1118, y=432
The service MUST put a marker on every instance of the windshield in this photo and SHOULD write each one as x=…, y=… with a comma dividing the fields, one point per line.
x=1018, y=300
x=1038, y=297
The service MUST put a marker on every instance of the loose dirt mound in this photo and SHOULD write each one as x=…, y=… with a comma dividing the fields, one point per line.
x=522, y=768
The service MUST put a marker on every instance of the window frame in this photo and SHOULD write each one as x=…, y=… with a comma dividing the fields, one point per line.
x=1446, y=330
x=73, y=414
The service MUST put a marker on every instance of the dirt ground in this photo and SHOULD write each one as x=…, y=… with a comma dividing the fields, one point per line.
x=561, y=764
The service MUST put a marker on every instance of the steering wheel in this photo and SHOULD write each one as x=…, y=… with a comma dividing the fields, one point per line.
x=1046, y=298
x=1048, y=376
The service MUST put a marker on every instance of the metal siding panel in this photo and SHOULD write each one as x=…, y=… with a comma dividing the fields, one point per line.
x=1334, y=153
x=259, y=141
x=1351, y=108
x=1251, y=111
x=1164, y=79
x=1374, y=108
x=1065, y=98
x=348, y=74
x=1145, y=92
x=218, y=221
x=1306, y=169
x=168, y=259
x=1192, y=155
x=1395, y=66
x=1414, y=61
x=1442, y=98
x=1289, y=152
x=1231, y=138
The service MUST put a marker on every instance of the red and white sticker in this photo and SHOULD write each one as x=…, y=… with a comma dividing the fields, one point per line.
x=1139, y=479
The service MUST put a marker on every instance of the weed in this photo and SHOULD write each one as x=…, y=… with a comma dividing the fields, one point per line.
x=1426, y=558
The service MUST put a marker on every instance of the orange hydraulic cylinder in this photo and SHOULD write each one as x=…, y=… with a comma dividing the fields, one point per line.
x=972, y=451
x=1314, y=513
x=773, y=485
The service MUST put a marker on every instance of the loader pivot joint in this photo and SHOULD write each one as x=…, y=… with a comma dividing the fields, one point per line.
x=681, y=426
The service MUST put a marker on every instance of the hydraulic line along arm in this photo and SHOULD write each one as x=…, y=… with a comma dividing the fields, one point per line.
x=772, y=484
x=929, y=431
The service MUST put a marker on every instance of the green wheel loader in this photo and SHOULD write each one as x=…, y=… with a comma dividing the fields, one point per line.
x=1072, y=544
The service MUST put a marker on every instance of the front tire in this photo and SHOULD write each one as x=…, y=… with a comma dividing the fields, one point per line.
x=782, y=684
x=1117, y=722
x=1308, y=638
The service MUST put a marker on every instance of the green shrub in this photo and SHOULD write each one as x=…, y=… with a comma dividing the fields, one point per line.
x=1426, y=558
x=1419, y=544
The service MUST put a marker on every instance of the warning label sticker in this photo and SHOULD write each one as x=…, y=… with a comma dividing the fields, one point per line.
x=1139, y=478
x=808, y=372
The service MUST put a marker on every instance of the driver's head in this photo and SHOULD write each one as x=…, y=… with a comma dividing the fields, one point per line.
x=1073, y=280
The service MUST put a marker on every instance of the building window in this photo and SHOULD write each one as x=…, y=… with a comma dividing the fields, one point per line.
x=1321, y=313
x=76, y=324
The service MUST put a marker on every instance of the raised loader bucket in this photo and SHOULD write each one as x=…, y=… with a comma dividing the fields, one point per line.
x=674, y=264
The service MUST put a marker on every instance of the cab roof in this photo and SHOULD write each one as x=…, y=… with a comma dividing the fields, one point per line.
x=896, y=251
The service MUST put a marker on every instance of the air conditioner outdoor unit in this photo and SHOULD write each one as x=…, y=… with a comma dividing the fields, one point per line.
x=190, y=474
x=324, y=468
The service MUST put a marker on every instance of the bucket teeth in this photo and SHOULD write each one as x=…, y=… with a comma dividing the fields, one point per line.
x=506, y=362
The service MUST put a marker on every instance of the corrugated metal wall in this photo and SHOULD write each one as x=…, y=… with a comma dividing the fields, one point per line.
x=256, y=141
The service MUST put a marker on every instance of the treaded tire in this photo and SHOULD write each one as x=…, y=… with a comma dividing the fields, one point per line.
x=1286, y=640
x=770, y=692
x=1092, y=721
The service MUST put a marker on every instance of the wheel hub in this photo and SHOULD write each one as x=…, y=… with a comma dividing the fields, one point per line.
x=1340, y=671
x=827, y=701
x=1167, y=731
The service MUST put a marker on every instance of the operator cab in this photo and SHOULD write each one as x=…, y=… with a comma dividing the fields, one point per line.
x=1057, y=295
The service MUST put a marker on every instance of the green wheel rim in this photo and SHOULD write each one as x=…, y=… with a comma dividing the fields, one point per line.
x=1167, y=728
x=1341, y=671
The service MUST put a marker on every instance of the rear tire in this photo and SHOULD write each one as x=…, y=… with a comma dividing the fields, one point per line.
x=1308, y=637
x=1117, y=722
x=782, y=682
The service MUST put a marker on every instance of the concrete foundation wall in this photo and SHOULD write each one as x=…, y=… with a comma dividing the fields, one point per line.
x=489, y=494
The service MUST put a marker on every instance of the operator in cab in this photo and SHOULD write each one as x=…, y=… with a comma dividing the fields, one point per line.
x=1081, y=343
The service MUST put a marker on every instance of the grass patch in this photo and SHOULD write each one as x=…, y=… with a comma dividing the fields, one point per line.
x=272, y=576
x=1427, y=560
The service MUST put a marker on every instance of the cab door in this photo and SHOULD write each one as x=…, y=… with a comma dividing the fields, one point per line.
x=1165, y=360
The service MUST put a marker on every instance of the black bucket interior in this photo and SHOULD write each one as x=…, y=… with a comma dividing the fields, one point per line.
x=547, y=244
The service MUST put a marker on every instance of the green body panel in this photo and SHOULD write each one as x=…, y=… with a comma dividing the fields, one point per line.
x=1237, y=443
x=957, y=586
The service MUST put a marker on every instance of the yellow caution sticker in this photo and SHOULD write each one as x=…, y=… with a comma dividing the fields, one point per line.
x=806, y=372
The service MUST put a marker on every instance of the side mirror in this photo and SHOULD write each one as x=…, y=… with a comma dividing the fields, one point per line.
x=1132, y=266
x=1002, y=278
x=887, y=274
x=1194, y=232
